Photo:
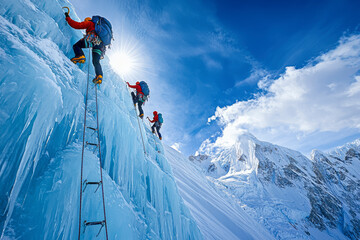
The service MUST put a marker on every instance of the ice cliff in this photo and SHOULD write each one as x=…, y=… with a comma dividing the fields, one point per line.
x=41, y=121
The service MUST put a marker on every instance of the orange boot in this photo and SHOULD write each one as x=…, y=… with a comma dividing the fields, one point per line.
x=80, y=59
x=98, y=79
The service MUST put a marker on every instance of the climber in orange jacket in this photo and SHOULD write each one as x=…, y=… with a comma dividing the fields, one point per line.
x=157, y=120
x=90, y=40
x=137, y=99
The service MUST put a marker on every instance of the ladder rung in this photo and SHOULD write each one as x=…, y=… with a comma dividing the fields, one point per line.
x=94, y=223
x=93, y=183
x=92, y=144
x=102, y=223
x=94, y=129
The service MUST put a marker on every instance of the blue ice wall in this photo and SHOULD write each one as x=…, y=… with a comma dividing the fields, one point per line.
x=41, y=122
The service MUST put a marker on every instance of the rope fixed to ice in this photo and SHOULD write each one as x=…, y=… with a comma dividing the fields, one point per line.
x=100, y=161
x=83, y=146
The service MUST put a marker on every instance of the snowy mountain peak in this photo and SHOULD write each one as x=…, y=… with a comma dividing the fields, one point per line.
x=236, y=159
x=316, y=198
x=347, y=150
x=244, y=157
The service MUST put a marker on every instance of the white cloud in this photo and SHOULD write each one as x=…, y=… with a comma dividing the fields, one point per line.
x=320, y=97
x=355, y=87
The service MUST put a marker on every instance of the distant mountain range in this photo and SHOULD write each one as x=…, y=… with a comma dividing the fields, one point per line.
x=292, y=196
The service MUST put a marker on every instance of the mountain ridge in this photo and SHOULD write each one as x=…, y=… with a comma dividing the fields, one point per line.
x=316, y=197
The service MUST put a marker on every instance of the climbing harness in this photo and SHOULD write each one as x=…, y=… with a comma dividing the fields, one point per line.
x=157, y=149
x=91, y=37
x=142, y=138
x=85, y=183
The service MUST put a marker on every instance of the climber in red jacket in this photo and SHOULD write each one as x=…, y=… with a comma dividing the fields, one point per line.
x=90, y=40
x=157, y=124
x=138, y=98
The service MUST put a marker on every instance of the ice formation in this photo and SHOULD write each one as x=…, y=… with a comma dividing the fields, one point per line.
x=41, y=127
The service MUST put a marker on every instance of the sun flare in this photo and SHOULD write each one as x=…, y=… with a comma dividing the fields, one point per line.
x=127, y=59
x=123, y=63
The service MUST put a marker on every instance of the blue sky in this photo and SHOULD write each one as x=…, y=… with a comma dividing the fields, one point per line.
x=206, y=58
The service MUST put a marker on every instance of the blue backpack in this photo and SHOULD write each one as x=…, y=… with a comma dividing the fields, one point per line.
x=145, y=88
x=103, y=29
x=161, y=120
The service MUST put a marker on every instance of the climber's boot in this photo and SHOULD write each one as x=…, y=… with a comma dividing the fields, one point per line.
x=80, y=59
x=98, y=79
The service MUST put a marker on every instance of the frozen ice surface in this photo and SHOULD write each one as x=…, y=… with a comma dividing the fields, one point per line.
x=41, y=125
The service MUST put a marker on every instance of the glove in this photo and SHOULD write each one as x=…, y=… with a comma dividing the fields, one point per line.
x=66, y=14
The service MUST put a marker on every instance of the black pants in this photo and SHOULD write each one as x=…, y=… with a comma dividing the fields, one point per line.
x=156, y=125
x=136, y=100
x=96, y=54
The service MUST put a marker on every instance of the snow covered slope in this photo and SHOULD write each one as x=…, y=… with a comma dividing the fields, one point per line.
x=292, y=196
x=41, y=121
x=218, y=216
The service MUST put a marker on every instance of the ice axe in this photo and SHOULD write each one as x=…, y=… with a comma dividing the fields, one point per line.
x=68, y=9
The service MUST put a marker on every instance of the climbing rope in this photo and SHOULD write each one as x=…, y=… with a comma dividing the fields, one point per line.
x=85, y=143
x=102, y=185
x=83, y=147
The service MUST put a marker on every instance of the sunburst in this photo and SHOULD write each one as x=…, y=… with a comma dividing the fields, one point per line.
x=127, y=59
